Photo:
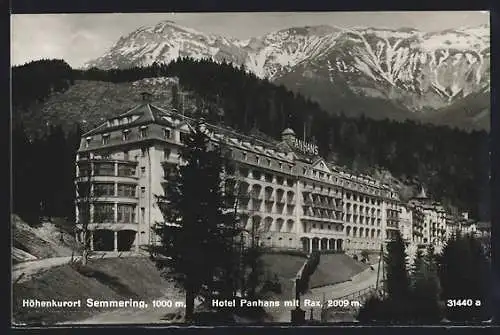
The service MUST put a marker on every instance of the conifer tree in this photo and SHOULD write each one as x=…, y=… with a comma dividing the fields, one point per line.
x=397, y=281
x=464, y=273
x=198, y=232
x=425, y=288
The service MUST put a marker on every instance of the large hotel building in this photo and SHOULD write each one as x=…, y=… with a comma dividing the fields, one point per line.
x=290, y=195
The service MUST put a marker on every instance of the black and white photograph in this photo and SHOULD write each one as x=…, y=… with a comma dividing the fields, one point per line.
x=242, y=168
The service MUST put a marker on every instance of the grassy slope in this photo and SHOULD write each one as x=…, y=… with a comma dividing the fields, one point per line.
x=93, y=101
x=286, y=268
x=115, y=279
x=332, y=269
x=335, y=268
x=42, y=241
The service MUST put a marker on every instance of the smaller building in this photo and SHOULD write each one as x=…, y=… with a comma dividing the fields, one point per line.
x=406, y=223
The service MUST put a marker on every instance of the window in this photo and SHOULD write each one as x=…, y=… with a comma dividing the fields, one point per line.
x=83, y=170
x=281, y=166
x=105, y=155
x=269, y=178
x=126, y=190
x=268, y=162
x=169, y=171
x=143, y=192
x=257, y=159
x=243, y=172
x=104, y=213
x=107, y=189
x=166, y=153
x=105, y=139
x=125, y=135
x=126, y=155
x=143, y=171
x=126, y=170
x=144, y=132
x=87, y=141
x=143, y=215
x=143, y=152
x=167, y=133
x=104, y=169
x=244, y=155
x=126, y=213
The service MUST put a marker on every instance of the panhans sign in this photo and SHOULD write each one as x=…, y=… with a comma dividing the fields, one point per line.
x=307, y=148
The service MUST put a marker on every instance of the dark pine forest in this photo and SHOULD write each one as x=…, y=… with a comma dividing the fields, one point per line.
x=451, y=163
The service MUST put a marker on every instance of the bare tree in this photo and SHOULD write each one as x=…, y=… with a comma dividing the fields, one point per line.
x=87, y=195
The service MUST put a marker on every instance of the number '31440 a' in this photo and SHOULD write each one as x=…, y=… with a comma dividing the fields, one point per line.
x=462, y=302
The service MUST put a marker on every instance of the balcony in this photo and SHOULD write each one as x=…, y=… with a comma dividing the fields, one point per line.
x=114, y=198
x=106, y=160
x=108, y=178
x=269, y=198
x=171, y=160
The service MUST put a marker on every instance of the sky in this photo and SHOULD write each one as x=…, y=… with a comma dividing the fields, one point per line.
x=78, y=38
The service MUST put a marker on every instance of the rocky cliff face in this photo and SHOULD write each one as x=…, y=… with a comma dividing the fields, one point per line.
x=415, y=71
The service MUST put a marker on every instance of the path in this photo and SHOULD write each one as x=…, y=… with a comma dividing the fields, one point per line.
x=362, y=280
x=30, y=268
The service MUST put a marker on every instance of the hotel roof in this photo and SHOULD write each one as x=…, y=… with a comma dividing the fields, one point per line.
x=148, y=113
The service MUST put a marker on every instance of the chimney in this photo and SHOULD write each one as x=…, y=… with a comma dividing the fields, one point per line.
x=146, y=97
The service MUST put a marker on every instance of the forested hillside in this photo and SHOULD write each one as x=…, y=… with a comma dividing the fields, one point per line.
x=453, y=164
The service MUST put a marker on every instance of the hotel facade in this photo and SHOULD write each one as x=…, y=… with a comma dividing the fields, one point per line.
x=290, y=195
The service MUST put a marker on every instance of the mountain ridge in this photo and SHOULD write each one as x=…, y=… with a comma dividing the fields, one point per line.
x=417, y=71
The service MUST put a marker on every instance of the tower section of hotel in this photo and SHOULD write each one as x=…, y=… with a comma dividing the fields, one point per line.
x=127, y=158
x=338, y=210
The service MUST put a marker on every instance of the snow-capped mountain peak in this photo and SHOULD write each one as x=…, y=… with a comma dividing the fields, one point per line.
x=418, y=69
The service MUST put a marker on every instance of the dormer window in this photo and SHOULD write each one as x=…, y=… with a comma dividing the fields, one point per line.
x=183, y=137
x=167, y=133
x=125, y=135
x=144, y=131
x=87, y=141
x=105, y=139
